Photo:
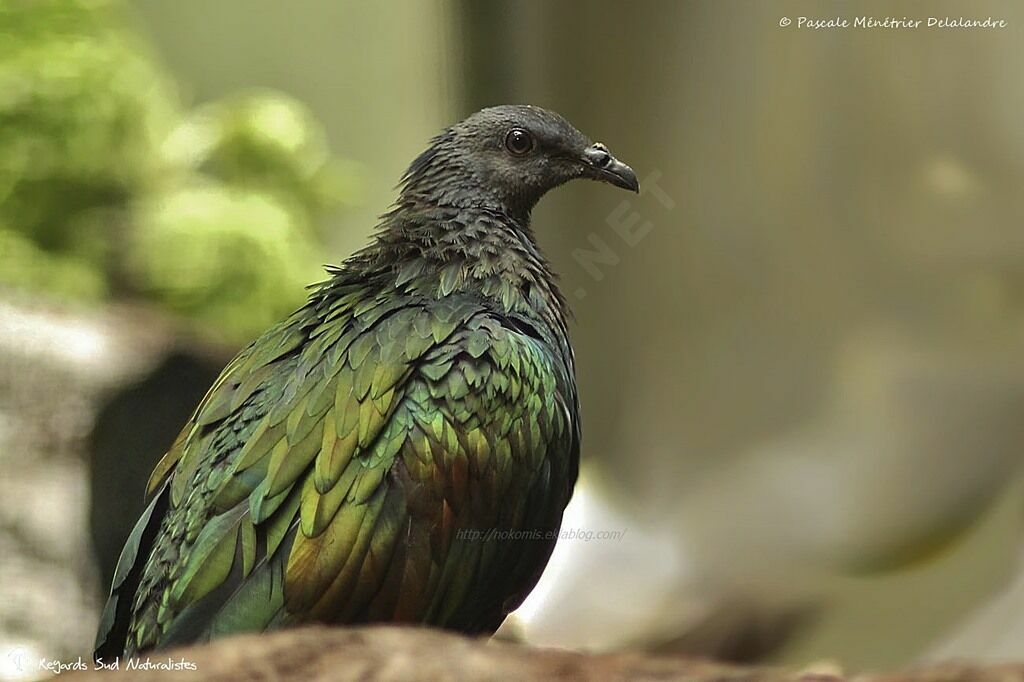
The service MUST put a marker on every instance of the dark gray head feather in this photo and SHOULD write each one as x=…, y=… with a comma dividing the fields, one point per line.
x=470, y=163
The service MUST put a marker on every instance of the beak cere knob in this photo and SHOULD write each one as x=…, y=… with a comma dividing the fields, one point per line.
x=606, y=167
x=599, y=155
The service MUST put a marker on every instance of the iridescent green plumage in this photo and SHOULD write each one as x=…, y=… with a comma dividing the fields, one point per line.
x=399, y=449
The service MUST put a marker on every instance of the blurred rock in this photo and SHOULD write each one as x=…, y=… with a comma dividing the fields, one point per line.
x=58, y=367
x=122, y=454
x=616, y=580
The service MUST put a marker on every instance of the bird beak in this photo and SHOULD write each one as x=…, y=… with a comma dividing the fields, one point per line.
x=606, y=167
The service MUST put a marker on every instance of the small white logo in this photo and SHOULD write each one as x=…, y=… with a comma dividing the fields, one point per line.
x=17, y=659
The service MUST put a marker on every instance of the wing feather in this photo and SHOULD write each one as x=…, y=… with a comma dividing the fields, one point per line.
x=310, y=420
x=327, y=471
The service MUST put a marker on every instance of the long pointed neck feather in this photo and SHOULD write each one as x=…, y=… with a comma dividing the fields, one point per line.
x=446, y=233
x=436, y=250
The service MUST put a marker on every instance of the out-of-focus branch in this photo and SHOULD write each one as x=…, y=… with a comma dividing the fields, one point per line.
x=386, y=654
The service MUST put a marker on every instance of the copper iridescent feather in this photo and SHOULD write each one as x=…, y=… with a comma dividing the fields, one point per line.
x=399, y=449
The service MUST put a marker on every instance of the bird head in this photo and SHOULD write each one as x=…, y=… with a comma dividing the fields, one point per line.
x=508, y=157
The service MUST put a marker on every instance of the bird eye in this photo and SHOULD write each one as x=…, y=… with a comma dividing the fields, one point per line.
x=519, y=142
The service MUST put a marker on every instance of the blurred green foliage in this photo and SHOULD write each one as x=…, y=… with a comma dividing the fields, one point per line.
x=224, y=256
x=108, y=188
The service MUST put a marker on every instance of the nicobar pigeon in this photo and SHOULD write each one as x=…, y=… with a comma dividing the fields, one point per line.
x=401, y=448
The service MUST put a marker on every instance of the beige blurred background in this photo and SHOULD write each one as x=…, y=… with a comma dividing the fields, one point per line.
x=800, y=349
